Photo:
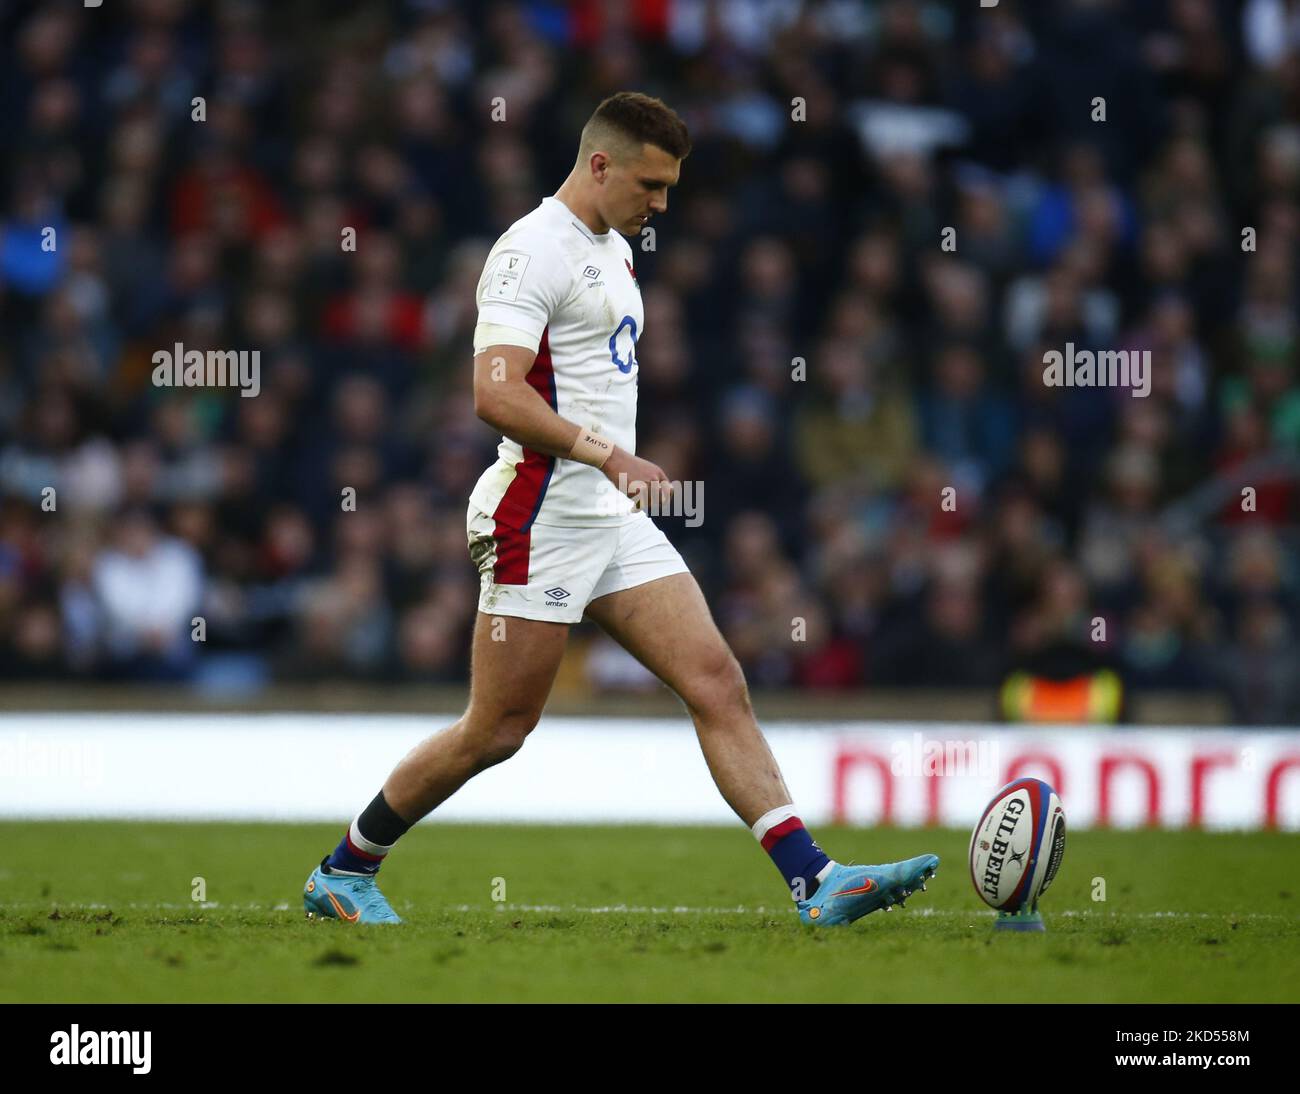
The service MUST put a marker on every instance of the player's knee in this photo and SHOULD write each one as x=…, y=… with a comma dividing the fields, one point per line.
x=719, y=688
x=506, y=736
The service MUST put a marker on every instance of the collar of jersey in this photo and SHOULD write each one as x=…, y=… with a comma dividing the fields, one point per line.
x=558, y=206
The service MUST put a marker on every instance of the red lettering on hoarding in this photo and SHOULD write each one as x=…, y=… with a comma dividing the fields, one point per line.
x=1109, y=764
x=932, y=785
x=1022, y=760
x=1273, y=788
x=1202, y=765
x=846, y=759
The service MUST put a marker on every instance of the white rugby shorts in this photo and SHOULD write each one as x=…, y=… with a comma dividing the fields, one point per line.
x=552, y=572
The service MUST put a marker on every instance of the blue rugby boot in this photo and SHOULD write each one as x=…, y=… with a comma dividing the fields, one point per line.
x=850, y=892
x=347, y=897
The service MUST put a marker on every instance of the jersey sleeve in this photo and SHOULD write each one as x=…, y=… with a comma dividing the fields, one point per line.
x=524, y=281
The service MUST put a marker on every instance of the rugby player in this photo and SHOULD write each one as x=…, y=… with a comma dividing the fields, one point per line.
x=555, y=534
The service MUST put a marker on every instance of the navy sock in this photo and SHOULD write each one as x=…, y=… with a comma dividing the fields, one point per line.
x=793, y=849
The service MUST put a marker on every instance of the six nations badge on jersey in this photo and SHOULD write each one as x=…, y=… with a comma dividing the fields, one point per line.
x=507, y=276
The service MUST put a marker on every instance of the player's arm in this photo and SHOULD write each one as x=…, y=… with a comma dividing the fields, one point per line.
x=507, y=402
x=523, y=285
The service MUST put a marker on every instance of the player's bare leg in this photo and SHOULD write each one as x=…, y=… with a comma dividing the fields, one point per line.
x=513, y=665
x=512, y=668
x=666, y=625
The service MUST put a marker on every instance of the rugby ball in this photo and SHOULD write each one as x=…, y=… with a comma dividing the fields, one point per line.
x=1017, y=845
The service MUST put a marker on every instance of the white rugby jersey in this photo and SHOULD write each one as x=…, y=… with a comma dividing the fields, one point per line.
x=573, y=294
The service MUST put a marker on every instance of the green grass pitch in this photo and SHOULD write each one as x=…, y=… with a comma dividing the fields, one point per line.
x=103, y=912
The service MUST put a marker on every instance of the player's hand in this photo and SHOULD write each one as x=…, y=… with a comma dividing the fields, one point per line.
x=638, y=478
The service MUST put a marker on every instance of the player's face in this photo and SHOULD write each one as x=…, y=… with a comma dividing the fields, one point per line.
x=638, y=189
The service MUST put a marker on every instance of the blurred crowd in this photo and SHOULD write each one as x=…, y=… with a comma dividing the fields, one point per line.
x=846, y=317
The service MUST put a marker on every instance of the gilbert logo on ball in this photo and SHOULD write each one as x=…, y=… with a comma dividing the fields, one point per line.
x=1017, y=845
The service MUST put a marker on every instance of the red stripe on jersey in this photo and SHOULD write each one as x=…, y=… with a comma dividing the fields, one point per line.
x=779, y=831
x=520, y=503
x=513, y=548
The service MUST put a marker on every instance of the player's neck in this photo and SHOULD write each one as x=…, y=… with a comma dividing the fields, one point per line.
x=569, y=194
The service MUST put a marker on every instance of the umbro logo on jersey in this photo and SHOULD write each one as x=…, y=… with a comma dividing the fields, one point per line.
x=591, y=271
x=558, y=596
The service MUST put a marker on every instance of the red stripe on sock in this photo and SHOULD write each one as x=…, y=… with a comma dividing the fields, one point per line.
x=778, y=832
x=360, y=853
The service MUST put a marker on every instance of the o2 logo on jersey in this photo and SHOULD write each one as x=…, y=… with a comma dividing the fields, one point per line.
x=630, y=342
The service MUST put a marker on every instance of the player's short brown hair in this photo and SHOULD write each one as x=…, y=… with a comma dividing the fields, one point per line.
x=629, y=119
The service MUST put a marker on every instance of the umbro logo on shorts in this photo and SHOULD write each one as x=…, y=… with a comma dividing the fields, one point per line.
x=557, y=596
